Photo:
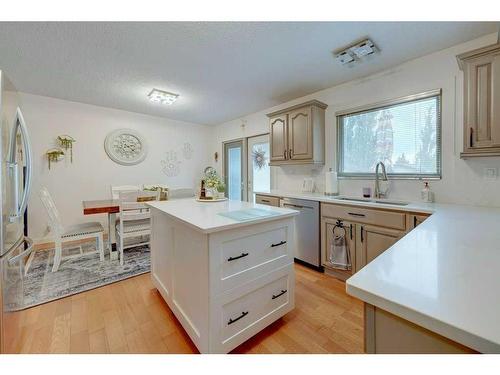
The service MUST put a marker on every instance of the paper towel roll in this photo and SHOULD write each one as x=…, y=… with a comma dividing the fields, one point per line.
x=331, y=183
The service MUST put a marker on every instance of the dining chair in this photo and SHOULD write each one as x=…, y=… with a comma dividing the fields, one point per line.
x=135, y=220
x=152, y=187
x=78, y=232
x=115, y=190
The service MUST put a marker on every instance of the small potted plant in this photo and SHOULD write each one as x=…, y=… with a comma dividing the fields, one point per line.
x=214, y=184
x=221, y=189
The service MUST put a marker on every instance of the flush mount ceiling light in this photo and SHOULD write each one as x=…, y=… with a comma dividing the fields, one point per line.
x=163, y=97
x=345, y=57
x=356, y=52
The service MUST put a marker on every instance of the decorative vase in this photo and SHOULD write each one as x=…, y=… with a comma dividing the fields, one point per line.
x=211, y=192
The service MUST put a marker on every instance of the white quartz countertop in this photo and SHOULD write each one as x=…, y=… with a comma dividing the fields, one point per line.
x=319, y=197
x=444, y=275
x=204, y=217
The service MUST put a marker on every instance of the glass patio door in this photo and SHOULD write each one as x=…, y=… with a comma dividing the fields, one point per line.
x=259, y=172
x=234, y=170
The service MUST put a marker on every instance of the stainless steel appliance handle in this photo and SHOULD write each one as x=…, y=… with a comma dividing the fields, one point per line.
x=296, y=206
x=25, y=253
x=20, y=124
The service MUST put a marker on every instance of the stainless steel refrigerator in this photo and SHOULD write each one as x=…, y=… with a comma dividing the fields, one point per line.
x=15, y=183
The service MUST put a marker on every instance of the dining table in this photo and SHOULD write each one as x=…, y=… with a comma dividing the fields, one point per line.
x=110, y=207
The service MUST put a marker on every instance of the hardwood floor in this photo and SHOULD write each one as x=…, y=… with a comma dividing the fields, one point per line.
x=131, y=317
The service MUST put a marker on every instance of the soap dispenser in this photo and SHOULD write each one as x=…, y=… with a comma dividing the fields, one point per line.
x=426, y=193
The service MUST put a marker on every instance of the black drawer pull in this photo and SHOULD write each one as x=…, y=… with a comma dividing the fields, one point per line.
x=278, y=244
x=265, y=200
x=283, y=291
x=238, y=257
x=243, y=314
x=356, y=214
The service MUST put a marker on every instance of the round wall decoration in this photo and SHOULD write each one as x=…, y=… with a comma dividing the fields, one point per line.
x=125, y=146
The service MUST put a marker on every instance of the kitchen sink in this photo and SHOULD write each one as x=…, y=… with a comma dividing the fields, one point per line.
x=368, y=200
x=395, y=203
x=353, y=199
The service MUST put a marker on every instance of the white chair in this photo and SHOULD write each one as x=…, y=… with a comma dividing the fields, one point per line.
x=181, y=193
x=91, y=230
x=135, y=220
x=116, y=190
x=151, y=187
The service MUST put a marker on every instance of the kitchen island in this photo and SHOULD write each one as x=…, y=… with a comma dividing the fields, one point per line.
x=225, y=269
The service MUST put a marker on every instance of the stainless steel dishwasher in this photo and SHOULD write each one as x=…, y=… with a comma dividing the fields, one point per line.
x=307, y=244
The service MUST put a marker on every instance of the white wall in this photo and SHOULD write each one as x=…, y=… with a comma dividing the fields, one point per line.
x=92, y=173
x=462, y=180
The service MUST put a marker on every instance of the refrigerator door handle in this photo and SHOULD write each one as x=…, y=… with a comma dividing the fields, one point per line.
x=25, y=253
x=20, y=124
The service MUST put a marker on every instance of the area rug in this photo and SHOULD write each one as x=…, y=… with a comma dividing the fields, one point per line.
x=79, y=274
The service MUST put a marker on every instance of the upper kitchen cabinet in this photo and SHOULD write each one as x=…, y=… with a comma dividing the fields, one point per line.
x=278, y=137
x=297, y=134
x=481, y=69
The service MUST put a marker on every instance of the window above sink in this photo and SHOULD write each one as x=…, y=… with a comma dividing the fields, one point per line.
x=404, y=133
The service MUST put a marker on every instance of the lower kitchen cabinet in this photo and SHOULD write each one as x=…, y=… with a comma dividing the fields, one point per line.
x=368, y=234
x=373, y=241
x=386, y=333
x=267, y=200
x=415, y=220
x=330, y=228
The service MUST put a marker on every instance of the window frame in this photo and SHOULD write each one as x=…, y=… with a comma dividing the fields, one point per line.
x=382, y=105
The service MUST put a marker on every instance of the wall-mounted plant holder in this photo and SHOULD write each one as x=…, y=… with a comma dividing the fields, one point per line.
x=66, y=142
x=54, y=155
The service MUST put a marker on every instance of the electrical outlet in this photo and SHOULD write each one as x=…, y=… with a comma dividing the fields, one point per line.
x=490, y=173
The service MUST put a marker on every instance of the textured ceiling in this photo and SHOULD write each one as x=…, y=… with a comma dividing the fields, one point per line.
x=221, y=70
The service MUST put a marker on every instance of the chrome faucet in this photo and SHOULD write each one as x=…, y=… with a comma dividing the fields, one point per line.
x=379, y=194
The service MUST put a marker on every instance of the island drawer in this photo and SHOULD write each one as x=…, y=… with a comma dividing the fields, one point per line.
x=242, y=257
x=388, y=219
x=242, y=313
x=267, y=200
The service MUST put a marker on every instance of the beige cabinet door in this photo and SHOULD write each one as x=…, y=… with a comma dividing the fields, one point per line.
x=329, y=231
x=481, y=98
x=300, y=134
x=267, y=200
x=278, y=137
x=416, y=220
x=373, y=241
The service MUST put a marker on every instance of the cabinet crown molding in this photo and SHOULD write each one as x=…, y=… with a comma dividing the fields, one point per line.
x=314, y=102
x=487, y=50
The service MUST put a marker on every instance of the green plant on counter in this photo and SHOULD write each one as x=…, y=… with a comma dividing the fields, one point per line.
x=212, y=179
x=221, y=187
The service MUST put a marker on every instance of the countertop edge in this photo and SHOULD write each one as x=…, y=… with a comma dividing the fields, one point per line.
x=444, y=329
x=228, y=226
x=318, y=197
